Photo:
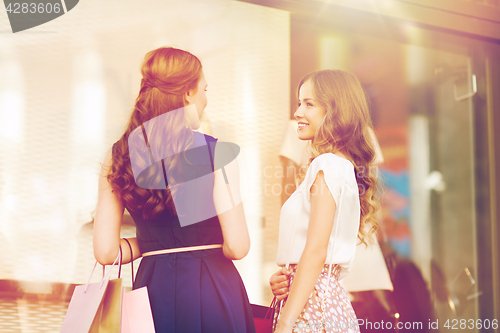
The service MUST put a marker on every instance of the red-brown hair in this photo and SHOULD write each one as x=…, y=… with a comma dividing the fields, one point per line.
x=167, y=74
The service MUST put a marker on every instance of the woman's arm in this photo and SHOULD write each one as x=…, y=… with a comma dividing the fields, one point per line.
x=315, y=253
x=229, y=207
x=107, y=222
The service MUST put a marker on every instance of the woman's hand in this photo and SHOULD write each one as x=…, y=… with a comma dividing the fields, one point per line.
x=280, y=283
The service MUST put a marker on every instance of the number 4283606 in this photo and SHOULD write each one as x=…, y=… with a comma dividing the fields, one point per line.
x=33, y=8
x=455, y=324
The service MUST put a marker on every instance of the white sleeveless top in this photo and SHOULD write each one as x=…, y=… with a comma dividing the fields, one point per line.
x=340, y=178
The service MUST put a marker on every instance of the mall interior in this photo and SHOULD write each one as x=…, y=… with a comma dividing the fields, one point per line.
x=430, y=70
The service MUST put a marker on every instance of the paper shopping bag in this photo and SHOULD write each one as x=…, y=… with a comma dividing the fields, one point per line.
x=95, y=307
x=263, y=317
x=136, y=312
x=83, y=307
x=108, y=317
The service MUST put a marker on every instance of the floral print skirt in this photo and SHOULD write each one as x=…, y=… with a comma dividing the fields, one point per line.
x=325, y=311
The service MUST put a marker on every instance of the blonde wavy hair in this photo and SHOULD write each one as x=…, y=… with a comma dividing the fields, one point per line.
x=345, y=128
x=167, y=74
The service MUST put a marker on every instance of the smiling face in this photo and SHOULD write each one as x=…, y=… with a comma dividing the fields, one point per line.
x=309, y=113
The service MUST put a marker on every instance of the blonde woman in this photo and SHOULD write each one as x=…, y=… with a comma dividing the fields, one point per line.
x=332, y=209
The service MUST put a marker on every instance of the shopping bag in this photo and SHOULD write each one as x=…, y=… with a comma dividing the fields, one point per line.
x=108, y=318
x=136, y=315
x=84, y=307
x=136, y=312
x=263, y=317
x=95, y=307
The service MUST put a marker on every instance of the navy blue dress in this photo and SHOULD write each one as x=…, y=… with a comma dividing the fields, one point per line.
x=190, y=292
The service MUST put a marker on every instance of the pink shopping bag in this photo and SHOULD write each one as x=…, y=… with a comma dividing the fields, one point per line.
x=136, y=312
x=86, y=312
x=83, y=307
x=136, y=309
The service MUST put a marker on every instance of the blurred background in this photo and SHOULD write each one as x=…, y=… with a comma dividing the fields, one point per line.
x=431, y=70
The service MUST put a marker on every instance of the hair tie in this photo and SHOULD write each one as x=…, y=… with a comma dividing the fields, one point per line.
x=147, y=83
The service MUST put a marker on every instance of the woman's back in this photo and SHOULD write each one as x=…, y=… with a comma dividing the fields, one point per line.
x=165, y=230
x=191, y=291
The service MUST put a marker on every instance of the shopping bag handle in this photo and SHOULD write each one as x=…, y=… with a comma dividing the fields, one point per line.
x=118, y=258
x=271, y=310
x=131, y=260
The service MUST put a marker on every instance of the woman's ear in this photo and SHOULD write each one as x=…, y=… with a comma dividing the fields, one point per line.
x=187, y=97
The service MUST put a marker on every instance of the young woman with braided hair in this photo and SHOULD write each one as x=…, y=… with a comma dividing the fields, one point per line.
x=192, y=282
